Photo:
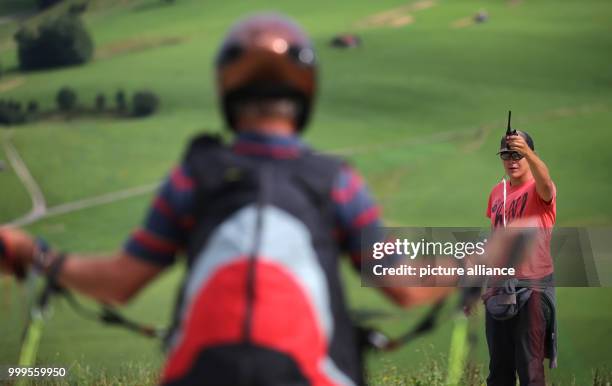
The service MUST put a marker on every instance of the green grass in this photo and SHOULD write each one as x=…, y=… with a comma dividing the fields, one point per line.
x=388, y=104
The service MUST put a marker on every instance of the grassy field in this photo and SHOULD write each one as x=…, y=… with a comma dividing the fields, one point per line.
x=418, y=109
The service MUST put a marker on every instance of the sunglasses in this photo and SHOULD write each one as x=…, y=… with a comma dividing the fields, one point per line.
x=507, y=155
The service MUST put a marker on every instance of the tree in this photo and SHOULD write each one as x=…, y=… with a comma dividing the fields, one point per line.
x=11, y=112
x=120, y=100
x=66, y=99
x=32, y=107
x=61, y=41
x=144, y=103
x=100, y=102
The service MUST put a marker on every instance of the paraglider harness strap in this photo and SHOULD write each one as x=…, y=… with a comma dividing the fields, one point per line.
x=107, y=314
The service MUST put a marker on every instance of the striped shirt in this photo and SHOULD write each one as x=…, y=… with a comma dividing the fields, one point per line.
x=170, y=218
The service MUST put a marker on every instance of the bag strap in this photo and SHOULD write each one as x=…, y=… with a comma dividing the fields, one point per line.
x=215, y=166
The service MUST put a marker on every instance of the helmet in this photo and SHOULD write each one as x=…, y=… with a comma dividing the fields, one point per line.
x=266, y=56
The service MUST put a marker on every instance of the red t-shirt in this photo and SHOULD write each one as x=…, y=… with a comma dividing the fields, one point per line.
x=524, y=201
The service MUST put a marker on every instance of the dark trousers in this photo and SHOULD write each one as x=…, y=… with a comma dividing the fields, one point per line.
x=517, y=345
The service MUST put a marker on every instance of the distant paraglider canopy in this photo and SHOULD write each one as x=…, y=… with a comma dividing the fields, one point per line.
x=346, y=41
x=481, y=16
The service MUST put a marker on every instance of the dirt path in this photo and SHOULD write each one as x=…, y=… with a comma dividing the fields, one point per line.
x=395, y=17
x=100, y=200
x=138, y=44
x=39, y=205
x=11, y=84
x=463, y=22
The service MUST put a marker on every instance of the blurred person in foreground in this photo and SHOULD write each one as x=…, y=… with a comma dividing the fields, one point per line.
x=262, y=223
x=521, y=328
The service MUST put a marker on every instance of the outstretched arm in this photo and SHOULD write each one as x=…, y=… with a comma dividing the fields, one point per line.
x=111, y=279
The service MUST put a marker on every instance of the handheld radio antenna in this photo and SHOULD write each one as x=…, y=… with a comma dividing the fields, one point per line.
x=509, y=130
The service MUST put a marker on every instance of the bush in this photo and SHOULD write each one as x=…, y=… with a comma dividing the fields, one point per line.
x=100, y=102
x=120, y=100
x=66, y=99
x=58, y=42
x=144, y=103
x=11, y=113
x=32, y=107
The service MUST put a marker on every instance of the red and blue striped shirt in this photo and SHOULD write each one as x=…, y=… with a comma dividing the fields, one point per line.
x=170, y=218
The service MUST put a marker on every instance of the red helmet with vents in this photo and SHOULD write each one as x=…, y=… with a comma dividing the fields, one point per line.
x=266, y=56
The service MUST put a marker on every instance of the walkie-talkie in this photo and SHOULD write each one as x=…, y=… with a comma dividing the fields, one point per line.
x=509, y=130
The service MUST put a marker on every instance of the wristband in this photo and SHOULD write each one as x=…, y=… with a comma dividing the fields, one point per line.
x=42, y=256
x=46, y=261
x=54, y=270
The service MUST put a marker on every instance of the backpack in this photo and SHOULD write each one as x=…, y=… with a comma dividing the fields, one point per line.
x=262, y=302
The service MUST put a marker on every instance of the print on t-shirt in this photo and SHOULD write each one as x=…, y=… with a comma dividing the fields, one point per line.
x=523, y=201
x=515, y=209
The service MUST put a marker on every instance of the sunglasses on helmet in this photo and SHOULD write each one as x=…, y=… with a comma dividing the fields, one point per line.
x=507, y=155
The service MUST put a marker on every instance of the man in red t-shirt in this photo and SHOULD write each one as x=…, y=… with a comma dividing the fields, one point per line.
x=529, y=192
x=519, y=344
